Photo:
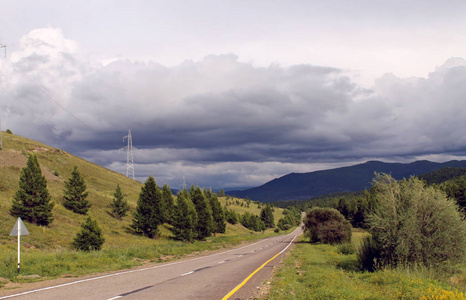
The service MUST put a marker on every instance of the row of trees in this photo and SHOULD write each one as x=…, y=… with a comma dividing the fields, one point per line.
x=32, y=202
x=197, y=214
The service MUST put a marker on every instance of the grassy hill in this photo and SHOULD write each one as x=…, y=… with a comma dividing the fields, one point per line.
x=47, y=252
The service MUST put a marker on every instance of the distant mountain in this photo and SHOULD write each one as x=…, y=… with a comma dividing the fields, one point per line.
x=297, y=186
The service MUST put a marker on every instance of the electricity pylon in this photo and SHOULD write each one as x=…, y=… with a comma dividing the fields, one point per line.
x=129, y=155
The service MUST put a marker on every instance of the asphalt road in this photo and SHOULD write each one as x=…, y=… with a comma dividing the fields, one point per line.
x=206, y=277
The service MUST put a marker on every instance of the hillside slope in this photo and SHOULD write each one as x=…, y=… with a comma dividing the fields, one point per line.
x=57, y=165
x=296, y=186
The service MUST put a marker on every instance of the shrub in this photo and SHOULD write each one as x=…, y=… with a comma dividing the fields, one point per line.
x=326, y=225
x=90, y=237
x=415, y=225
x=369, y=254
x=346, y=249
x=9, y=131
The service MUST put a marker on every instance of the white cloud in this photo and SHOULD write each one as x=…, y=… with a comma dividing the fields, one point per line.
x=225, y=122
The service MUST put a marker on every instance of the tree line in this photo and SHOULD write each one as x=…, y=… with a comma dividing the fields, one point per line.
x=193, y=214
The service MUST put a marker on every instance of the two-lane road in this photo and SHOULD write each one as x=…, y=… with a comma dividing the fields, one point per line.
x=206, y=277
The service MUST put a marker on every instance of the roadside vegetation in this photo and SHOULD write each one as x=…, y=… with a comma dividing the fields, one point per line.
x=413, y=247
x=97, y=219
x=321, y=271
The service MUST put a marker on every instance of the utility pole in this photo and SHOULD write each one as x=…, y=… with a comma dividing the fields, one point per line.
x=3, y=46
x=129, y=155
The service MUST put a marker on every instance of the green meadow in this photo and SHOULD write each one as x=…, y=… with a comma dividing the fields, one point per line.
x=318, y=271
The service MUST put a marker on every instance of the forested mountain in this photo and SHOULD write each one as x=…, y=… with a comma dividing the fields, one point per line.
x=346, y=179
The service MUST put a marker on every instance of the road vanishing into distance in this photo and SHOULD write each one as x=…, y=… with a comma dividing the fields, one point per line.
x=229, y=274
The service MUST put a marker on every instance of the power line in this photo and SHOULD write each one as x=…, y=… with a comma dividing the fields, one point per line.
x=40, y=88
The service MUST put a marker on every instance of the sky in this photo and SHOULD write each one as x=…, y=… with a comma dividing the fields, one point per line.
x=236, y=93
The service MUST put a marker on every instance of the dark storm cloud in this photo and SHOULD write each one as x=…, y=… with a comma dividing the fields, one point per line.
x=223, y=122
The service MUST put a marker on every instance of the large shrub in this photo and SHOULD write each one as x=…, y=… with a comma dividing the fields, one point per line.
x=414, y=225
x=90, y=237
x=326, y=225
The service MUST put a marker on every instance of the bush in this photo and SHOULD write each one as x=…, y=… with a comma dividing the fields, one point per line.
x=346, y=249
x=9, y=131
x=369, y=254
x=90, y=237
x=414, y=225
x=326, y=225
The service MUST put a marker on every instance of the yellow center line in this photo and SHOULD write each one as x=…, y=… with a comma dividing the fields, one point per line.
x=252, y=274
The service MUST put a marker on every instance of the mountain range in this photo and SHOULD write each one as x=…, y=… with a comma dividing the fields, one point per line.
x=297, y=186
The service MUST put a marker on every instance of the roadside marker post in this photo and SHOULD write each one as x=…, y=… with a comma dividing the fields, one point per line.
x=18, y=230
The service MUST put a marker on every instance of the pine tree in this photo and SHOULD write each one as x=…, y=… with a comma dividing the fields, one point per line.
x=90, y=237
x=119, y=204
x=267, y=216
x=148, y=215
x=218, y=215
x=204, y=213
x=168, y=203
x=31, y=201
x=184, y=218
x=75, y=193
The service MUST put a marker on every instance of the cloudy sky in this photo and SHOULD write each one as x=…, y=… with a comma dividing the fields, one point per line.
x=236, y=93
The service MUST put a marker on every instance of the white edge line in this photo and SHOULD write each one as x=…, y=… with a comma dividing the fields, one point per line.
x=127, y=272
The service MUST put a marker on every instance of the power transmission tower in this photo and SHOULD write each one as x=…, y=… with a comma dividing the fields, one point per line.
x=129, y=155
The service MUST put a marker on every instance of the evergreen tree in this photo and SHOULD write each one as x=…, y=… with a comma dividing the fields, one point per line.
x=90, y=237
x=218, y=215
x=31, y=201
x=168, y=203
x=75, y=193
x=204, y=213
x=119, y=204
x=267, y=216
x=184, y=218
x=148, y=215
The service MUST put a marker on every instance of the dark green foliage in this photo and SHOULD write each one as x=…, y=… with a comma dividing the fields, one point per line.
x=416, y=225
x=9, y=131
x=456, y=189
x=267, y=216
x=204, y=213
x=74, y=195
x=291, y=219
x=326, y=225
x=90, y=238
x=148, y=215
x=231, y=216
x=31, y=201
x=218, y=215
x=221, y=193
x=441, y=175
x=168, y=204
x=119, y=204
x=252, y=222
x=356, y=208
x=369, y=254
x=184, y=223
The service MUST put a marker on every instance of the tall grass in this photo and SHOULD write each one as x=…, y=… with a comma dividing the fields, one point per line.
x=320, y=272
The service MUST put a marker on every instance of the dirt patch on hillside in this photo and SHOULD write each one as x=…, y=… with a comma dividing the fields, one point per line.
x=18, y=160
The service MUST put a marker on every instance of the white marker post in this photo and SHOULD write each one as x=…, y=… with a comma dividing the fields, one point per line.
x=19, y=229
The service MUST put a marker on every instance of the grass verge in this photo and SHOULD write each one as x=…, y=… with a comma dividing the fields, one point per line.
x=70, y=263
x=320, y=272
